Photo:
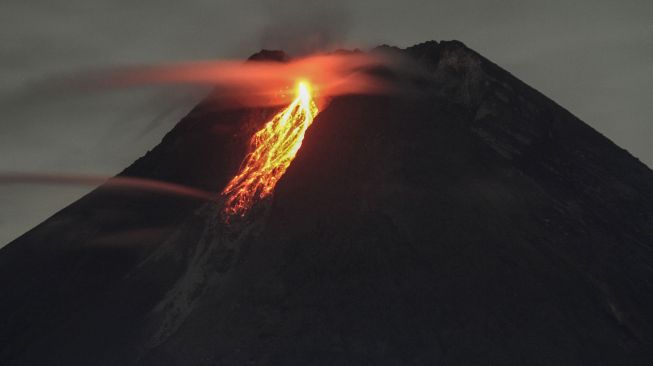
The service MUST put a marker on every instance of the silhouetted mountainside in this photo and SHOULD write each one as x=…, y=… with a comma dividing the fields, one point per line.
x=472, y=221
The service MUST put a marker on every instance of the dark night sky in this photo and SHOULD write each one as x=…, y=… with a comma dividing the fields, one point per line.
x=593, y=57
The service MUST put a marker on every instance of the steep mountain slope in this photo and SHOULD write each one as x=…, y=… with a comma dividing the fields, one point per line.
x=471, y=221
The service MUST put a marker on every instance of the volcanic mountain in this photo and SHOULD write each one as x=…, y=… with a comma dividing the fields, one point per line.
x=472, y=221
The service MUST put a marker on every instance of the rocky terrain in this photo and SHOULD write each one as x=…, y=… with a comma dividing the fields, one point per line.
x=472, y=221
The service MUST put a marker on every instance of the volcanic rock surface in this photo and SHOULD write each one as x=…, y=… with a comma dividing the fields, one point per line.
x=470, y=222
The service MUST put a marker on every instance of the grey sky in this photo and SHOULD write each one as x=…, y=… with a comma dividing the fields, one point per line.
x=595, y=58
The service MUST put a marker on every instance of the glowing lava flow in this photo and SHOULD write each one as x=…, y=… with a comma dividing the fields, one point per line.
x=271, y=151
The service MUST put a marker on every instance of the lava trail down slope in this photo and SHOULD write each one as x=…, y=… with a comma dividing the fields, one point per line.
x=470, y=221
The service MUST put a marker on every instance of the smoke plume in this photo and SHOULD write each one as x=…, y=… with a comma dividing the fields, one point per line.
x=300, y=27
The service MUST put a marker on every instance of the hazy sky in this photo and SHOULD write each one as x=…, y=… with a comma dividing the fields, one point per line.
x=593, y=57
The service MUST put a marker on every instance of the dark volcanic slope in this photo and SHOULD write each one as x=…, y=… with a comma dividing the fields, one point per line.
x=474, y=222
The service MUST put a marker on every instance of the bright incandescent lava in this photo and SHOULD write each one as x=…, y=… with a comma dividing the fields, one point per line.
x=271, y=150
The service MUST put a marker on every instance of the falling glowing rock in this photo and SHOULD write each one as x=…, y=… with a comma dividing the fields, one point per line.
x=271, y=150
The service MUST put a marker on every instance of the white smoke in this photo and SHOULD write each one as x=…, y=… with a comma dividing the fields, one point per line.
x=300, y=27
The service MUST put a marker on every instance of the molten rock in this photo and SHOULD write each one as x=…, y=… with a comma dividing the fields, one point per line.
x=468, y=220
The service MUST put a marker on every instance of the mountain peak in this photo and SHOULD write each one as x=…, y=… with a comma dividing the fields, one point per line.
x=472, y=221
x=269, y=55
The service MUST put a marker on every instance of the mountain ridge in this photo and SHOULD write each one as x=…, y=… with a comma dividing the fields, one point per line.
x=474, y=222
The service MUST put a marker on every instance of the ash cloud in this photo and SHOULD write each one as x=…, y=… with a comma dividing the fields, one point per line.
x=300, y=27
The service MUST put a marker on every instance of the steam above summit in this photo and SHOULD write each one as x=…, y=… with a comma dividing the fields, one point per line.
x=463, y=219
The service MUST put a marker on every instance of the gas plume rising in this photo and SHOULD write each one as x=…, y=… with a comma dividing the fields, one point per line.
x=271, y=151
x=265, y=83
x=303, y=27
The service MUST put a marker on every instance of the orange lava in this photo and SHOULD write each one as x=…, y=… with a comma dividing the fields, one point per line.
x=257, y=84
x=271, y=151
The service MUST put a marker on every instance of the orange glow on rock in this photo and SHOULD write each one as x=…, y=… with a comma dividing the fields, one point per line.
x=257, y=84
x=271, y=150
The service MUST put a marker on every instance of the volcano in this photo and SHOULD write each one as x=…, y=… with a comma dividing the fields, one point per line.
x=470, y=221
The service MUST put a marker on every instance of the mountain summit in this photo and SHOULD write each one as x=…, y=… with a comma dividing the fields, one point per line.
x=472, y=221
